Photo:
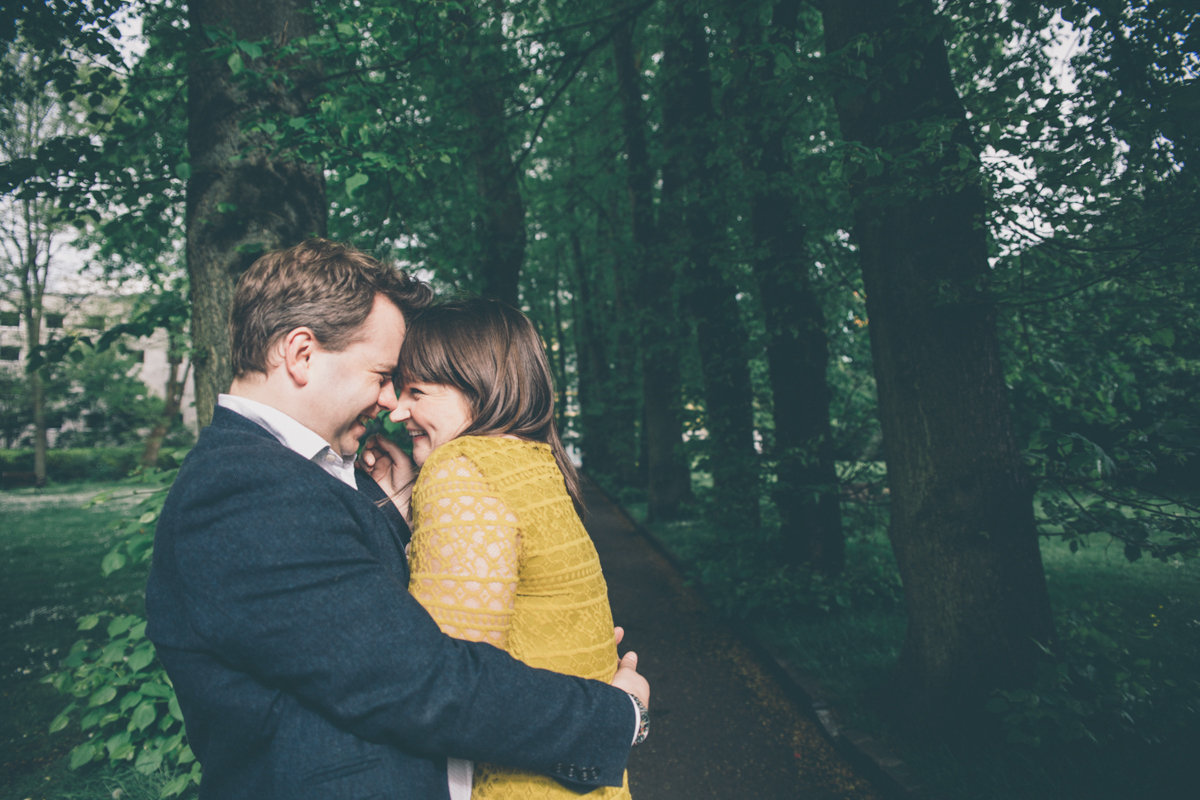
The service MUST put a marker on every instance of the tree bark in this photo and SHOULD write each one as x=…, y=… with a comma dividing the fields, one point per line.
x=962, y=523
x=668, y=477
x=243, y=199
x=806, y=491
x=593, y=372
x=502, y=235
x=33, y=280
x=690, y=185
x=174, y=400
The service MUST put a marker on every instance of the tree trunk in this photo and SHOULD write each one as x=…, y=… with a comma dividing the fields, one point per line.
x=502, y=211
x=806, y=490
x=243, y=199
x=592, y=369
x=962, y=523
x=38, y=390
x=174, y=400
x=668, y=476
x=690, y=184
x=34, y=277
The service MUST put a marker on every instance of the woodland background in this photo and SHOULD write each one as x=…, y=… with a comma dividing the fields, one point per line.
x=808, y=273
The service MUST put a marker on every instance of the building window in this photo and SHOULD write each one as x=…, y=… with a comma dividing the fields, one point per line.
x=54, y=320
x=10, y=319
x=95, y=322
x=10, y=353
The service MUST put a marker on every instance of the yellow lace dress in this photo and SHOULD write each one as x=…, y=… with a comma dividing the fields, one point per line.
x=499, y=555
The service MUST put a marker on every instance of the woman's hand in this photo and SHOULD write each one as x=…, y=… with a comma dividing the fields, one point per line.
x=391, y=468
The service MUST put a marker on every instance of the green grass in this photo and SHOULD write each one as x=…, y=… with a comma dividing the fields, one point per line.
x=50, y=551
x=1150, y=608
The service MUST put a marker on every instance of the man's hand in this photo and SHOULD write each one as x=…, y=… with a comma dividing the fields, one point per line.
x=391, y=468
x=627, y=678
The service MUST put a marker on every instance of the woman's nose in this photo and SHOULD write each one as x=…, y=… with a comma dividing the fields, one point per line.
x=400, y=412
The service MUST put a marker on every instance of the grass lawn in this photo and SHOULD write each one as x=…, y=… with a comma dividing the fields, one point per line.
x=50, y=552
x=1148, y=608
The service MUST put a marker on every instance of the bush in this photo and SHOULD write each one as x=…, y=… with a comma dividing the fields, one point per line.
x=1094, y=687
x=82, y=464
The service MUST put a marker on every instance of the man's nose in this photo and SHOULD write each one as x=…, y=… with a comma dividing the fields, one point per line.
x=387, y=397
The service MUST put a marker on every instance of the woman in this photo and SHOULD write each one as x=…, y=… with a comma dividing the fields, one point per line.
x=499, y=553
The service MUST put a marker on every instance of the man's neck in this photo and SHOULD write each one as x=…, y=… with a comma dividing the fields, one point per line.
x=266, y=389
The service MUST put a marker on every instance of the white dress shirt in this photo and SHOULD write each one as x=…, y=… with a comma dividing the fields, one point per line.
x=294, y=436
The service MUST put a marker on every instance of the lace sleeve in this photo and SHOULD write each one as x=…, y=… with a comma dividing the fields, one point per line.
x=465, y=555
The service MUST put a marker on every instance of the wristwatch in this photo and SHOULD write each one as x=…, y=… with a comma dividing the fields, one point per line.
x=643, y=719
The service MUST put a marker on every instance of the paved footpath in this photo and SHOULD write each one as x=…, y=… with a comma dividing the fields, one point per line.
x=721, y=726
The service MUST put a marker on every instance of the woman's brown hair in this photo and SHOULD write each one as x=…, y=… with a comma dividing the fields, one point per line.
x=490, y=352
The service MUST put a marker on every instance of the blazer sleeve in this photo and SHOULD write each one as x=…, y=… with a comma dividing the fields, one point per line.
x=278, y=579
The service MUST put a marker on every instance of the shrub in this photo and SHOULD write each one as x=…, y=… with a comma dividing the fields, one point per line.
x=82, y=464
x=121, y=689
x=1092, y=688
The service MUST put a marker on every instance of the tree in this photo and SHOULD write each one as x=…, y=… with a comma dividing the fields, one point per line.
x=766, y=98
x=244, y=195
x=668, y=476
x=31, y=225
x=962, y=523
x=693, y=222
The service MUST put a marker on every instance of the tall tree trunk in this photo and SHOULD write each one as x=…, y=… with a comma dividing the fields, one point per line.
x=34, y=276
x=174, y=400
x=502, y=234
x=690, y=183
x=668, y=476
x=806, y=489
x=962, y=523
x=277, y=201
x=38, y=390
x=593, y=372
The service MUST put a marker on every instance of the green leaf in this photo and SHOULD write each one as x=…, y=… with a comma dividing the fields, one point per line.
x=83, y=754
x=112, y=563
x=250, y=49
x=150, y=516
x=116, y=742
x=235, y=64
x=997, y=705
x=144, y=715
x=1165, y=337
x=175, y=786
x=104, y=695
x=59, y=723
x=91, y=719
x=183, y=170
x=129, y=701
x=119, y=625
x=173, y=707
x=345, y=28
x=148, y=761
x=88, y=622
x=354, y=182
x=445, y=157
x=141, y=658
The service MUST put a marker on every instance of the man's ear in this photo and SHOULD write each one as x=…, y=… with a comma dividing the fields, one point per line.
x=297, y=349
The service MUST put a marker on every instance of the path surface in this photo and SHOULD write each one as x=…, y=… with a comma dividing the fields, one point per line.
x=721, y=727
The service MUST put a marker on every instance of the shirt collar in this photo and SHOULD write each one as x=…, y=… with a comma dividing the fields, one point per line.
x=290, y=433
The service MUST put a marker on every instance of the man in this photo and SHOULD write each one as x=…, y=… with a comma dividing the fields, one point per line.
x=278, y=599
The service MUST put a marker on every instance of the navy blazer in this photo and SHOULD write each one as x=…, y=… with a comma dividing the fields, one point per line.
x=278, y=602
